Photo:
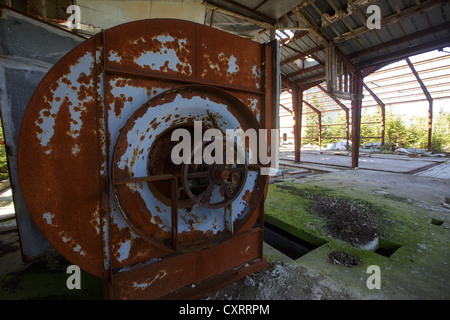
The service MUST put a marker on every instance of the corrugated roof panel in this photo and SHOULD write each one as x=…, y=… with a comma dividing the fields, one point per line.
x=277, y=9
x=392, y=10
x=321, y=55
x=382, y=35
x=341, y=27
x=310, y=74
x=288, y=68
x=313, y=13
x=385, y=7
x=414, y=24
x=286, y=53
x=352, y=45
x=307, y=43
x=395, y=31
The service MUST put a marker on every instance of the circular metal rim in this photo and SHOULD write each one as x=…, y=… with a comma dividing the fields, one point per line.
x=243, y=112
x=220, y=204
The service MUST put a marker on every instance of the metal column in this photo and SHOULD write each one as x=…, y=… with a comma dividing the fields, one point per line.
x=297, y=103
x=356, y=117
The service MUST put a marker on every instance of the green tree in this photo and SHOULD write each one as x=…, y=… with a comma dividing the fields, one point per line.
x=440, y=140
x=371, y=126
x=311, y=128
x=395, y=130
x=415, y=132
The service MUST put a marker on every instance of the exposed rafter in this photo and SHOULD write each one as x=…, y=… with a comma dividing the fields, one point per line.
x=411, y=37
x=340, y=104
x=402, y=54
x=417, y=9
x=429, y=98
x=302, y=55
x=306, y=70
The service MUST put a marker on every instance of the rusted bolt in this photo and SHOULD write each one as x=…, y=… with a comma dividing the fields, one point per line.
x=221, y=173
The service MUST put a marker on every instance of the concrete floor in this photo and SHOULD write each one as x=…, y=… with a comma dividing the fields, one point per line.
x=418, y=270
x=412, y=204
x=378, y=162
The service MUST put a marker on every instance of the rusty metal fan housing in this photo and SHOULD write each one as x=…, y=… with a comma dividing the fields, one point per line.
x=94, y=155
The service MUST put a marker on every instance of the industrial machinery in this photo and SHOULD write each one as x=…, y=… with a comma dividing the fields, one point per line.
x=95, y=167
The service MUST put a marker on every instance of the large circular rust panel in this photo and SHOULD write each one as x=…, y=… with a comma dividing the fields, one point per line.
x=144, y=149
x=63, y=147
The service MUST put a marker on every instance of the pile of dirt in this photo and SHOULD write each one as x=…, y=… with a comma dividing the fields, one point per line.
x=344, y=258
x=353, y=221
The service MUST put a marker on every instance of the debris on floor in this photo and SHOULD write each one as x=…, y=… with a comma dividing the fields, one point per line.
x=353, y=221
x=344, y=258
x=283, y=281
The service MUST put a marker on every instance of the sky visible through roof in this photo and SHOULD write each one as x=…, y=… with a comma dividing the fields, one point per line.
x=399, y=90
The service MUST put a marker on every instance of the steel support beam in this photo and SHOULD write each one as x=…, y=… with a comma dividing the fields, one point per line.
x=287, y=82
x=297, y=105
x=404, y=53
x=303, y=71
x=429, y=98
x=343, y=107
x=383, y=111
x=286, y=108
x=356, y=118
x=396, y=42
x=302, y=55
x=319, y=120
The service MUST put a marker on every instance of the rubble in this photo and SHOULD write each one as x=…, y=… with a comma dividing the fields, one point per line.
x=419, y=152
x=340, y=145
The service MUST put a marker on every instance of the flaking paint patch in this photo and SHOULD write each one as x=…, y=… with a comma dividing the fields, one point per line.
x=166, y=55
x=143, y=264
x=256, y=74
x=65, y=95
x=96, y=222
x=75, y=149
x=114, y=56
x=147, y=283
x=124, y=250
x=71, y=243
x=224, y=63
x=232, y=66
x=252, y=104
x=48, y=217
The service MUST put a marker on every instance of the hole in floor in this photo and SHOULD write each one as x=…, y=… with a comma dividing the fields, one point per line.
x=436, y=222
x=386, y=247
x=287, y=243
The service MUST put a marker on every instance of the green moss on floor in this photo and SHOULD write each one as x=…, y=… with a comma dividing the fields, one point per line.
x=45, y=279
x=417, y=269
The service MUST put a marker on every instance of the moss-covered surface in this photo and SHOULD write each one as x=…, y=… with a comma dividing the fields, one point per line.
x=45, y=279
x=418, y=269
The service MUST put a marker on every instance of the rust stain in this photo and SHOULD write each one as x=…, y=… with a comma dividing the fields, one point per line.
x=138, y=250
x=156, y=50
x=247, y=196
x=64, y=176
x=119, y=104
